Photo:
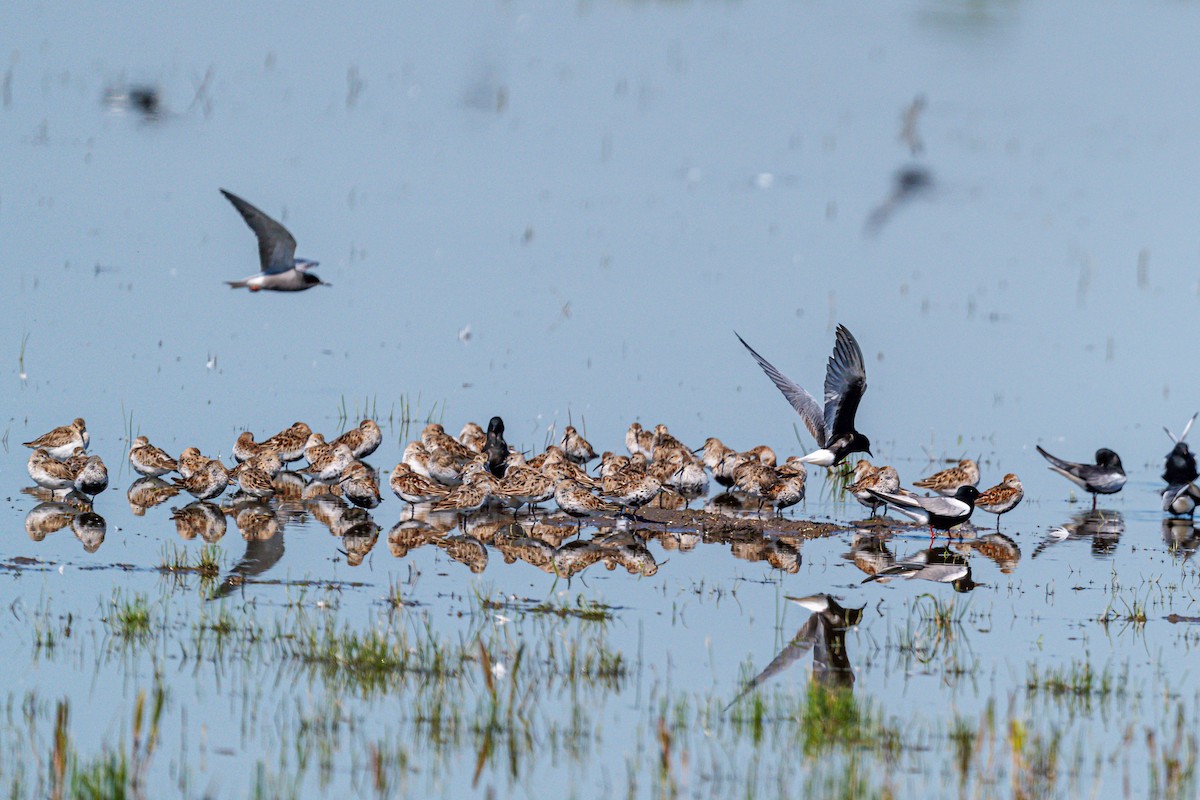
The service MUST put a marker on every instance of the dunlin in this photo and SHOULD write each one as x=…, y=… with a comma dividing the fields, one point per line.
x=326, y=462
x=254, y=481
x=359, y=485
x=413, y=488
x=473, y=436
x=92, y=479
x=576, y=448
x=638, y=440
x=149, y=460
x=62, y=441
x=867, y=477
x=577, y=501
x=786, y=492
x=363, y=440
x=720, y=459
x=525, y=486
x=434, y=436
x=947, y=482
x=48, y=472
x=1001, y=498
x=290, y=443
x=207, y=481
x=246, y=448
x=471, y=495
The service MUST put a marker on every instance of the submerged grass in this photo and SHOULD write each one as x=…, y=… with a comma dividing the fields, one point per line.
x=128, y=616
x=401, y=704
x=176, y=558
x=582, y=609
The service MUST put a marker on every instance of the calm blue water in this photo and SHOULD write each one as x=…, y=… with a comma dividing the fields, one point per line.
x=561, y=212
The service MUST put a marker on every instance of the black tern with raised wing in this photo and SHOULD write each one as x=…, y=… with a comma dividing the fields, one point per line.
x=845, y=383
x=281, y=270
x=1180, y=467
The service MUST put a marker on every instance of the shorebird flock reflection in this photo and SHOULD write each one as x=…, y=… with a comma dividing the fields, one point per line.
x=474, y=492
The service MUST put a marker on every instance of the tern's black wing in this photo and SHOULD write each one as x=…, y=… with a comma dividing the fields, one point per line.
x=804, y=403
x=845, y=383
x=1067, y=466
x=276, y=247
x=800, y=644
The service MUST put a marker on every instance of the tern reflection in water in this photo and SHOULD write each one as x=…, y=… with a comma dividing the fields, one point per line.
x=937, y=564
x=1180, y=536
x=260, y=556
x=1102, y=526
x=824, y=633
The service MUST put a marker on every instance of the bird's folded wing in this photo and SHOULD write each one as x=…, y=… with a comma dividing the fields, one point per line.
x=898, y=500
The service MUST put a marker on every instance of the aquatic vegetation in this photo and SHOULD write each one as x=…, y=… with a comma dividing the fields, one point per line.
x=128, y=616
x=1078, y=683
x=176, y=558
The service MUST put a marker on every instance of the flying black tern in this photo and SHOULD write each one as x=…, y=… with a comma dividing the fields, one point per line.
x=281, y=270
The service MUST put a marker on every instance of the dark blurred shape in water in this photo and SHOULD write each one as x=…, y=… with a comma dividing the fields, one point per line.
x=909, y=182
x=260, y=556
x=143, y=99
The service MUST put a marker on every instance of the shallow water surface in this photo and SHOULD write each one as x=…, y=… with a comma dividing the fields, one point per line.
x=560, y=214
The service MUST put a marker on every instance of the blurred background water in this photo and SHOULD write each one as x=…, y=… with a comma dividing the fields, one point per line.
x=558, y=212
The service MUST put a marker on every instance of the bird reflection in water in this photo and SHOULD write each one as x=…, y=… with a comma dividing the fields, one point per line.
x=780, y=553
x=89, y=528
x=260, y=556
x=200, y=518
x=146, y=493
x=1180, y=536
x=824, y=633
x=936, y=564
x=995, y=547
x=1103, y=527
x=466, y=549
x=256, y=520
x=359, y=541
x=47, y=518
x=627, y=549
